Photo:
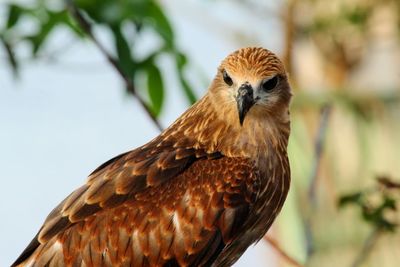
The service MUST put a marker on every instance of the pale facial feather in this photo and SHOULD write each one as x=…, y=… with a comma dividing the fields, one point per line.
x=213, y=122
x=269, y=116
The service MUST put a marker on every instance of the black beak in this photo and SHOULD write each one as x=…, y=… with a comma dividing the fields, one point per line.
x=245, y=100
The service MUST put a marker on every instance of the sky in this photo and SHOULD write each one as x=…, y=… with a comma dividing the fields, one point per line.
x=62, y=119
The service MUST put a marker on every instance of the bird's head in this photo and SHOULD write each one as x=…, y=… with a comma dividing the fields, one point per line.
x=254, y=81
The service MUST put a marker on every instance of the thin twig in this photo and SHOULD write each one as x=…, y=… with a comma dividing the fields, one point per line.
x=289, y=31
x=87, y=28
x=367, y=247
x=10, y=56
x=274, y=244
x=319, y=147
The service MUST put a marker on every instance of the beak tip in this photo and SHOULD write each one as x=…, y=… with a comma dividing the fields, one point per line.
x=244, y=101
x=241, y=119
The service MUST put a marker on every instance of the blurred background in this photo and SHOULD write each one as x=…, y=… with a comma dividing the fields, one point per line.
x=82, y=81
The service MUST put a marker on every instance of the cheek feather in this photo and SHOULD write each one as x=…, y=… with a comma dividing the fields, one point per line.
x=268, y=101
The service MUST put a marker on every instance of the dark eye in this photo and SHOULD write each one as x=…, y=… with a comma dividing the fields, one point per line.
x=226, y=77
x=270, y=84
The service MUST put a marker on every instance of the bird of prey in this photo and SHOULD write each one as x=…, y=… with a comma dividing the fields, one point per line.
x=199, y=194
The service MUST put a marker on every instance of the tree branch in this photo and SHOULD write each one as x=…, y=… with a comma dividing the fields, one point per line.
x=319, y=147
x=87, y=29
x=289, y=31
x=274, y=244
x=367, y=247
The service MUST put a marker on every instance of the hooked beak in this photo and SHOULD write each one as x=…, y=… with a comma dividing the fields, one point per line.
x=245, y=100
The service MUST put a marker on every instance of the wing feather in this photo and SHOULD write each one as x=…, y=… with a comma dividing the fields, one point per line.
x=188, y=220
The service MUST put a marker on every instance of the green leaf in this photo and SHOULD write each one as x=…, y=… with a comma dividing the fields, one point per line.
x=161, y=24
x=53, y=20
x=354, y=198
x=389, y=203
x=357, y=16
x=14, y=13
x=73, y=25
x=10, y=56
x=375, y=216
x=181, y=60
x=155, y=87
x=111, y=12
x=125, y=60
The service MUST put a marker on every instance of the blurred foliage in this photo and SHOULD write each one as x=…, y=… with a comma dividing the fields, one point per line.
x=376, y=203
x=378, y=206
x=126, y=20
x=343, y=30
x=362, y=137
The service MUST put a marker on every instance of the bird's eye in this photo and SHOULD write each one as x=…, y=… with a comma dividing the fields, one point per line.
x=270, y=84
x=227, y=79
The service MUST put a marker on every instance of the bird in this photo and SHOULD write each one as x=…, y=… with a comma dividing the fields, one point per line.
x=198, y=194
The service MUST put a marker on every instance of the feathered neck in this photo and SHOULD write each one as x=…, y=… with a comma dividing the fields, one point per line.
x=215, y=128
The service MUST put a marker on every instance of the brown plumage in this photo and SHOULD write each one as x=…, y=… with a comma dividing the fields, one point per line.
x=197, y=195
